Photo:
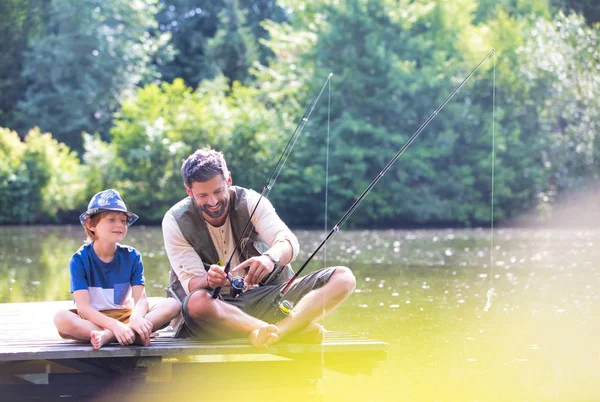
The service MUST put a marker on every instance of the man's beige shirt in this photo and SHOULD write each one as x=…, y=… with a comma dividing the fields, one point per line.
x=187, y=263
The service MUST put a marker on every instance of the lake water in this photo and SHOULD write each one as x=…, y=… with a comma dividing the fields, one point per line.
x=422, y=291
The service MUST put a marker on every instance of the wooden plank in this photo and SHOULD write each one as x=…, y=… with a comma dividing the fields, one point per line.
x=27, y=333
x=175, y=347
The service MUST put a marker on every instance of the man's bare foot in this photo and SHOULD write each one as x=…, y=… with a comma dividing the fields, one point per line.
x=264, y=336
x=312, y=333
x=100, y=338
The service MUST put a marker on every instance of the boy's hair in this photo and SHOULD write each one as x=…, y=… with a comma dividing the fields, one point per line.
x=93, y=222
x=203, y=165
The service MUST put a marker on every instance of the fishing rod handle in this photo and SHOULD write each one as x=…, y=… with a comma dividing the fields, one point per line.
x=217, y=291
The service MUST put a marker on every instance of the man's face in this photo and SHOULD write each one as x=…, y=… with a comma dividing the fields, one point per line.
x=212, y=197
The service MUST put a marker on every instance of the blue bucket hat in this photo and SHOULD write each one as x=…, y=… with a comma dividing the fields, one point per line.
x=107, y=200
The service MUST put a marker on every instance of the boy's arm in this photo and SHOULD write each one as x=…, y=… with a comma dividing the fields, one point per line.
x=140, y=308
x=137, y=321
x=123, y=334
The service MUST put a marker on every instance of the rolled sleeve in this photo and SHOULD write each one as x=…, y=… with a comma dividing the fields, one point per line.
x=184, y=260
x=269, y=225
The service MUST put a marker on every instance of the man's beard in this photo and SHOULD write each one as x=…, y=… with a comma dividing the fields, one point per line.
x=218, y=213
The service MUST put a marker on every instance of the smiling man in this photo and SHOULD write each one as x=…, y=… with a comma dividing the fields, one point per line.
x=201, y=233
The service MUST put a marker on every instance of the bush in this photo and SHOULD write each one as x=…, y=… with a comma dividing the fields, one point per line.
x=39, y=178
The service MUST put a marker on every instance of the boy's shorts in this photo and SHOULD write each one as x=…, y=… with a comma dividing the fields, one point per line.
x=121, y=315
x=258, y=302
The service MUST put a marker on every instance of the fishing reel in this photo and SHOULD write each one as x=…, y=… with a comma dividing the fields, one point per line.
x=283, y=308
x=237, y=285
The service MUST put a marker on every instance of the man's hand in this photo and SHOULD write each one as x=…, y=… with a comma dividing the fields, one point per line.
x=123, y=333
x=216, y=277
x=142, y=327
x=258, y=268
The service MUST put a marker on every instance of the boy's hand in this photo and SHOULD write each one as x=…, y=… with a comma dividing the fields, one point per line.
x=142, y=326
x=123, y=333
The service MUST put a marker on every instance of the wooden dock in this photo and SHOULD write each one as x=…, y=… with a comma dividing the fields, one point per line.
x=36, y=364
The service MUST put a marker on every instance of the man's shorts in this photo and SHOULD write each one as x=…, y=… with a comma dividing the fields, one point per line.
x=121, y=315
x=259, y=302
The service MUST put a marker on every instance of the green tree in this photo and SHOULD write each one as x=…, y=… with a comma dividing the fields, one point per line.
x=40, y=178
x=101, y=165
x=390, y=71
x=14, y=187
x=162, y=125
x=216, y=37
x=92, y=54
x=63, y=190
x=561, y=66
x=393, y=65
x=21, y=19
x=590, y=9
x=233, y=49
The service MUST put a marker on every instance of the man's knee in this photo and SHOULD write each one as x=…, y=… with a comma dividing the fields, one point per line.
x=200, y=306
x=343, y=279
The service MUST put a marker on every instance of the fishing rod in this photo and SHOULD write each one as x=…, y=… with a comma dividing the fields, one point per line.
x=238, y=283
x=286, y=306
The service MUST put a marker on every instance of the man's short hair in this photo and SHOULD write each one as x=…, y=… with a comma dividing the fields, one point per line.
x=203, y=165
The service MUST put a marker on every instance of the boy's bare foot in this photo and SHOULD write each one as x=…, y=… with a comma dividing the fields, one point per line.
x=99, y=338
x=141, y=341
x=312, y=333
x=264, y=336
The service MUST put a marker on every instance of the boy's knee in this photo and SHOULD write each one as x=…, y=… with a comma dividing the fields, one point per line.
x=62, y=318
x=173, y=306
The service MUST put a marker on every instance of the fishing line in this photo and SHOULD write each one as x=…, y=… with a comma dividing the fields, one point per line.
x=326, y=225
x=279, y=298
x=491, y=291
x=273, y=176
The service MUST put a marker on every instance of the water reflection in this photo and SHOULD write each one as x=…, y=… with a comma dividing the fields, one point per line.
x=424, y=292
x=34, y=261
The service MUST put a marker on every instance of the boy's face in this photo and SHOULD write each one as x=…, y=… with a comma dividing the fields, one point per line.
x=212, y=197
x=112, y=227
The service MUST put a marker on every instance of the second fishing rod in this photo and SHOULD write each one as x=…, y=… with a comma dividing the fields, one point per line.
x=285, y=306
x=237, y=284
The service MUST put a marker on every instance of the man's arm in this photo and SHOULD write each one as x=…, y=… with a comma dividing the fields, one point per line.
x=283, y=244
x=186, y=263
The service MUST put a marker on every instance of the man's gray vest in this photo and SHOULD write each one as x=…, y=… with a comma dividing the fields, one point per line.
x=193, y=227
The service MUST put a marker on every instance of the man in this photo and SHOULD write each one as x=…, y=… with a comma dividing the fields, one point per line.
x=201, y=233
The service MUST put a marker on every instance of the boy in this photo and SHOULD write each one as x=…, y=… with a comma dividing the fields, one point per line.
x=104, y=275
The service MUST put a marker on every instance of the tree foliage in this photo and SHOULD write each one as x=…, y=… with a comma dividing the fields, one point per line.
x=216, y=37
x=244, y=72
x=90, y=55
x=40, y=178
x=563, y=71
x=159, y=127
x=21, y=19
x=391, y=73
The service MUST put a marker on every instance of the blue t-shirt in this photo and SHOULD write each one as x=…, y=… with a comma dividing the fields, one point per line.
x=109, y=284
